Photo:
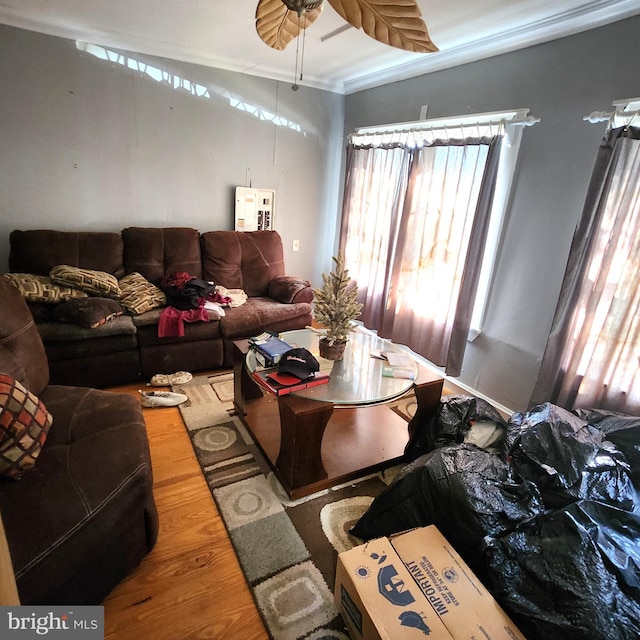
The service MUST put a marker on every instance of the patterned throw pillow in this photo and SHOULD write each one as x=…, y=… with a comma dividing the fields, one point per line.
x=24, y=425
x=41, y=288
x=139, y=295
x=95, y=283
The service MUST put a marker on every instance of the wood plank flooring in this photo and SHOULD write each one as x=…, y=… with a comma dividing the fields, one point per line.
x=190, y=586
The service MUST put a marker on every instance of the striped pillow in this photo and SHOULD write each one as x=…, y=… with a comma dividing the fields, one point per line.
x=24, y=425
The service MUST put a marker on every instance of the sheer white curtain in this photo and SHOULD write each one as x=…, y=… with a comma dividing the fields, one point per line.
x=592, y=358
x=413, y=236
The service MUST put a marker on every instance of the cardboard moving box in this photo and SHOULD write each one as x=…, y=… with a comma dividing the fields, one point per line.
x=415, y=585
x=378, y=598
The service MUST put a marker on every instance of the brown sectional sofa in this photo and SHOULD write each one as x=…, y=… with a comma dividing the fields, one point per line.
x=128, y=348
x=84, y=516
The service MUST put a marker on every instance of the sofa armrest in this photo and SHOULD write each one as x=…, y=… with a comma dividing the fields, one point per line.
x=8, y=589
x=288, y=289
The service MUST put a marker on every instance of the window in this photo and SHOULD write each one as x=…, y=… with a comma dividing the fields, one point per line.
x=591, y=358
x=422, y=201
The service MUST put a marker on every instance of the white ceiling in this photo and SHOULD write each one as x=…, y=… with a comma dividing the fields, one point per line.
x=221, y=33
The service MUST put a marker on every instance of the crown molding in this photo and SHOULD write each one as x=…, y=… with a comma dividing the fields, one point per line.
x=588, y=16
x=145, y=46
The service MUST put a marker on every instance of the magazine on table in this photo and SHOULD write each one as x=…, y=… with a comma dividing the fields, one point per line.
x=399, y=365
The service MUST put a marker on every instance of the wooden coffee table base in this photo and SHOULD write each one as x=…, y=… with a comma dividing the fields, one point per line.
x=312, y=445
x=318, y=447
x=302, y=426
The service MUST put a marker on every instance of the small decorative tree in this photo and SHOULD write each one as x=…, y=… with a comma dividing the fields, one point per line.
x=335, y=308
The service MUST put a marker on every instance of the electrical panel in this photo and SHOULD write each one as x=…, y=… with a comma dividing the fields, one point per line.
x=254, y=209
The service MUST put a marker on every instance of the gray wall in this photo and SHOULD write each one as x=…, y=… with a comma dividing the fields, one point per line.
x=88, y=144
x=560, y=82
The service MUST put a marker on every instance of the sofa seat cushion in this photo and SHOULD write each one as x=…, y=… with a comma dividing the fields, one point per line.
x=153, y=317
x=66, y=350
x=69, y=332
x=148, y=318
x=94, y=465
x=193, y=332
x=259, y=314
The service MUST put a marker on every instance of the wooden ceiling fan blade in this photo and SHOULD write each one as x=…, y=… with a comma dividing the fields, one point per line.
x=396, y=23
x=277, y=26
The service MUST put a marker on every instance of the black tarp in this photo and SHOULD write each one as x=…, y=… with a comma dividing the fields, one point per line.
x=569, y=459
x=552, y=522
x=571, y=574
x=466, y=492
x=454, y=417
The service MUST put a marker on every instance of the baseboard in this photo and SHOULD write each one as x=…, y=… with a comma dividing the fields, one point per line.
x=463, y=389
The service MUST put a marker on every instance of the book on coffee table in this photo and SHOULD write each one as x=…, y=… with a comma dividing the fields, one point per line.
x=280, y=383
x=270, y=347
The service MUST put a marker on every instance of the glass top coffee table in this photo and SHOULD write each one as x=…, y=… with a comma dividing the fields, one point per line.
x=356, y=380
x=332, y=433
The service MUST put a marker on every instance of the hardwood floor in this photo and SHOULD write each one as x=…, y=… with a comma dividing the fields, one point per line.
x=190, y=586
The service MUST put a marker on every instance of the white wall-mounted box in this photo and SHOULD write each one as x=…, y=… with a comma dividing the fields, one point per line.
x=254, y=209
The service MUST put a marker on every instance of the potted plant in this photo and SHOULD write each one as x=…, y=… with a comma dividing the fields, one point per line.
x=335, y=309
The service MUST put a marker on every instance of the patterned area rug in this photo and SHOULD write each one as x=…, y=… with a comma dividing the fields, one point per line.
x=287, y=549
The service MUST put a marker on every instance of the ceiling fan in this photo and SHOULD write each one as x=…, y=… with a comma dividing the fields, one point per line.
x=395, y=23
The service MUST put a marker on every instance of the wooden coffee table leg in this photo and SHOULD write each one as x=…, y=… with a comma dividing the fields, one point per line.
x=302, y=425
x=244, y=387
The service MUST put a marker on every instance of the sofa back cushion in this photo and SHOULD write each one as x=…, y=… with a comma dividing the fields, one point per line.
x=156, y=252
x=22, y=353
x=246, y=260
x=39, y=250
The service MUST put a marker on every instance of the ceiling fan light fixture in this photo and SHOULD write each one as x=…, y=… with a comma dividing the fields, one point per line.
x=397, y=24
x=300, y=6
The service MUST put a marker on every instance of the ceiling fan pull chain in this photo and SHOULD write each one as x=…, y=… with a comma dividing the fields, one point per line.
x=304, y=38
x=294, y=86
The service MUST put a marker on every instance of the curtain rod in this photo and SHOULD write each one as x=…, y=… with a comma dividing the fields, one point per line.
x=620, y=106
x=602, y=116
x=518, y=117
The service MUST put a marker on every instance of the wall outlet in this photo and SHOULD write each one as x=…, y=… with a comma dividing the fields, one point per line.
x=296, y=245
